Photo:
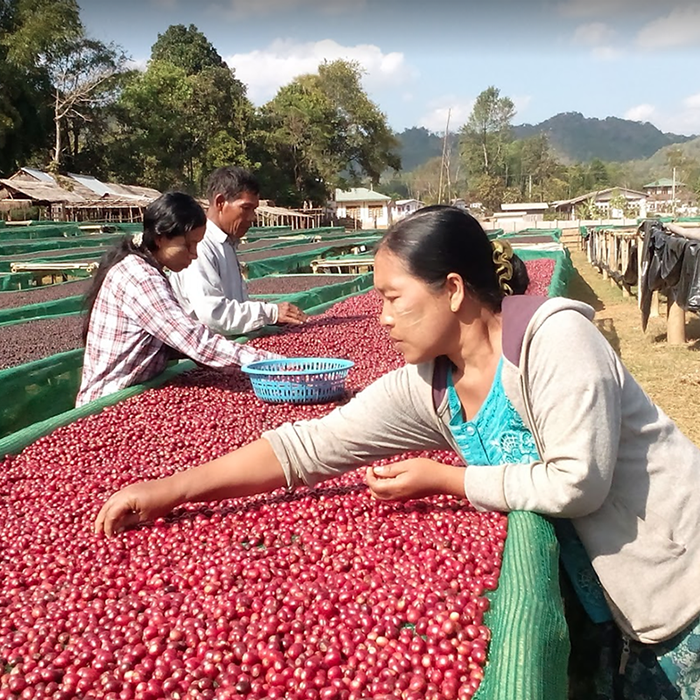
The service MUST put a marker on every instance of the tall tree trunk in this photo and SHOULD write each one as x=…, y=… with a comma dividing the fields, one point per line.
x=57, y=124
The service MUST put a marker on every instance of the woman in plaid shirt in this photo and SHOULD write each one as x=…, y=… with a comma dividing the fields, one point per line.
x=134, y=324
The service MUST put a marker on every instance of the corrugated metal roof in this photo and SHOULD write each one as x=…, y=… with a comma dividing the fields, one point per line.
x=41, y=191
x=602, y=195
x=92, y=183
x=518, y=206
x=360, y=194
x=664, y=182
x=39, y=175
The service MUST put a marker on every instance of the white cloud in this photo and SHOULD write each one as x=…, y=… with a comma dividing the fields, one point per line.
x=265, y=71
x=692, y=102
x=680, y=28
x=257, y=8
x=607, y=53
x=521, y=102
x=599, y=36
x=436, y=117
x=686, y=119
x=679, y=118
x=641, y=113
x=608, y=8
x=137, y=64
x=166, y=4
x=594, y=34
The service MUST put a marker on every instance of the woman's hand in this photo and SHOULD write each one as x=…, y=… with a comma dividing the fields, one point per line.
x=137, y=503
x=415, y=478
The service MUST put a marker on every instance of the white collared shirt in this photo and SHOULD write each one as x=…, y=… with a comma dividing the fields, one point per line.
x=212, y=289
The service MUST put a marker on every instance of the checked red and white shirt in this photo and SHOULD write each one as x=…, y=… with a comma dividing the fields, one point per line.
x=137, y=323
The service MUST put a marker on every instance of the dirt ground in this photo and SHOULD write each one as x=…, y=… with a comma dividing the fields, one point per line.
x=670, y=375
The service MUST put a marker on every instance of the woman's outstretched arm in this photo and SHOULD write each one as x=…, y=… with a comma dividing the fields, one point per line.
x=244, y=472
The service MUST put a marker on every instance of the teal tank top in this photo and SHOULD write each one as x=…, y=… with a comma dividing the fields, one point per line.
x=498, y=435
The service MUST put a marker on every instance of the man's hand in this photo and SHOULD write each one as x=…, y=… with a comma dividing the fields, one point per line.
x=137, y=503
x=288, y=313
x=415, y=478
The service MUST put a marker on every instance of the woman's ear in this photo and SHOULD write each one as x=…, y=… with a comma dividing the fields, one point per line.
x=454, y=287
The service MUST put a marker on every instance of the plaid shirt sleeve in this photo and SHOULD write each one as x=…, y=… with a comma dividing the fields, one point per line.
x=151, y=303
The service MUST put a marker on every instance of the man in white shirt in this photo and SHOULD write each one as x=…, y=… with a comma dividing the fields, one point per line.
x=212, y=288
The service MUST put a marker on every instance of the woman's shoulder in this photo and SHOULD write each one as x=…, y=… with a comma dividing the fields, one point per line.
x=131, y=272
x=136, y=268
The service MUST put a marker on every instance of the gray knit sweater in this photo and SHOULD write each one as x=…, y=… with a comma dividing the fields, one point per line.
x=613, y=462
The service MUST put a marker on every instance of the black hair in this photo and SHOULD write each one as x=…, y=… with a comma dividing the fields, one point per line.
x=230, y=181
x=438, y=240
x=171, y=215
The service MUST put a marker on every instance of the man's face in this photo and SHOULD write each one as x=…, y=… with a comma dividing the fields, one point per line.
x=236, y=216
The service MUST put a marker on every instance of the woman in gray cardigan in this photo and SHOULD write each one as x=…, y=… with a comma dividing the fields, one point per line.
x=542, y=410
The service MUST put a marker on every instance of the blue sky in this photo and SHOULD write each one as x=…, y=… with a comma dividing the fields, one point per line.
x=638, y=59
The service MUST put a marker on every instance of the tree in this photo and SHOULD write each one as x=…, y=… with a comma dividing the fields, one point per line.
x=322, y=131
x=486, y=134
x=371, y=147
x=83, y=73
x=186, y=48
x=181, y=118
x=303, y=134
x=599, y=177
x=489, y=190
x=30, y=31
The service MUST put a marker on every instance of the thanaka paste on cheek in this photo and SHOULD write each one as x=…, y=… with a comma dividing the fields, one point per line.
x=408, y=315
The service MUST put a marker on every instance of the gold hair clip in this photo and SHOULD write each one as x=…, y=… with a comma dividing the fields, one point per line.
x=137, y=239
x=502, y=259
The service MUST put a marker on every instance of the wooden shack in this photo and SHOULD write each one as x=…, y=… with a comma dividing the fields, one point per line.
x=74, y=197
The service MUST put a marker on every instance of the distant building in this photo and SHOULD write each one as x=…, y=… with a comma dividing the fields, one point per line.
x=660, y=195
x=368, y=208
x=635, y=200
x=528, y=211
x=404, y=207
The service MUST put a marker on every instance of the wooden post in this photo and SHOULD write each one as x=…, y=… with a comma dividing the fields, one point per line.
x=654, y=310
x=675, y=323
x=603, y=256
x=626, y=242
x=612, y=258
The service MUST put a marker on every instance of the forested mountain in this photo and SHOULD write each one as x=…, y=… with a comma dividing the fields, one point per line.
x=418, y=145
x=572, y=137
x=576, y=138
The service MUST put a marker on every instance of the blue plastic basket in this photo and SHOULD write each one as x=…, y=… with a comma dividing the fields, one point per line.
x=299, y=379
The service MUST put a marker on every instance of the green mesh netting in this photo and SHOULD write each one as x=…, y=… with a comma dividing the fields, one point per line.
x=90, y=255
x=85, y=241
x=42, y=389
x=311, y=299
x=553, y=233
x=51, y=386
x=37, y=230
x=299, y=262
x=48, y=309
x=39, y=390
x=563, y=267
x=13, y=281
x=529, y=647
x=254, y=234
